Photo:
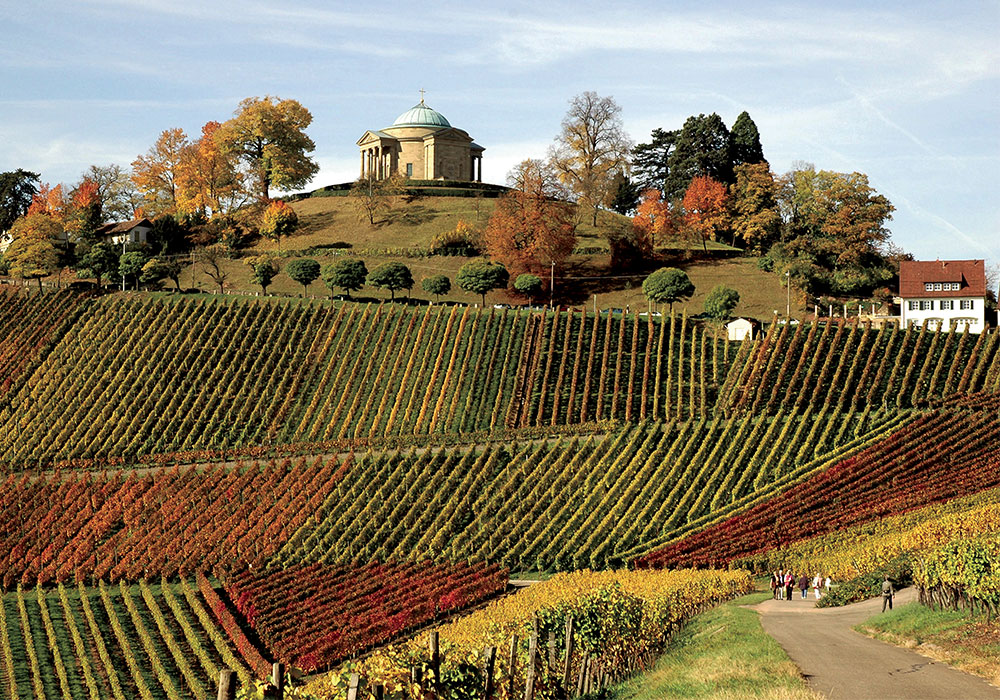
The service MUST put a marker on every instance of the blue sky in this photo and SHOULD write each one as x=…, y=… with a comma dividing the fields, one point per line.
x=906, y=92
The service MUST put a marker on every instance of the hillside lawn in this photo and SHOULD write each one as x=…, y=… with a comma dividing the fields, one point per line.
x=959, y=638
x=722, y=654
x=329, y=227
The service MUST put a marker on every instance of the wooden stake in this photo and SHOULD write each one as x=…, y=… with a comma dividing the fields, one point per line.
x=379, y=692
x=227, y=684
x=568, y=660
x=552, y=651
x=512, y=666
x=435, y=650
x=278, y=679
x=490, y=658
x=529, y=683
x=352, y=687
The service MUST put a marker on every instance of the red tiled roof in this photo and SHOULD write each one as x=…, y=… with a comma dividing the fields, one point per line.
x=970, y=274
x=122, y=227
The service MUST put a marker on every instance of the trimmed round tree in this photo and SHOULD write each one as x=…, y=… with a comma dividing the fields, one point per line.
x=721, y=301
x=436, y=285
x=393, y=276
x=264, y=269
x=667, y=285
x=347, y=274
x=305, y=271
x=529, y=285
x=480, y=277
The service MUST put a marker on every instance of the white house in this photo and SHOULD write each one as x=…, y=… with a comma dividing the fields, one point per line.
x=741, y=328
x=135, y=231
x=943, y=294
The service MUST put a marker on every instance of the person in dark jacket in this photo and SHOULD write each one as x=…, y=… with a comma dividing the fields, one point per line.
x=804, y=585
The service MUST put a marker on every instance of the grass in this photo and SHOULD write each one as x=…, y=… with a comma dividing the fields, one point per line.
x=961, y=639
x=722, y=654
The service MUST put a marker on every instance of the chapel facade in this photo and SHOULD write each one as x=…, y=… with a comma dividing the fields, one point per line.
x=421, y=144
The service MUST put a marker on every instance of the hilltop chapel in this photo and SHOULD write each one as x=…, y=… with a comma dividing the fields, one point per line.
x=423, y=145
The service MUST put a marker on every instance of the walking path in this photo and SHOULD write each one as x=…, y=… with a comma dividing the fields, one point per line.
x=845, y=665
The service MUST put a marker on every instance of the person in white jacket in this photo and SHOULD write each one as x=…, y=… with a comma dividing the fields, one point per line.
x=817, y=584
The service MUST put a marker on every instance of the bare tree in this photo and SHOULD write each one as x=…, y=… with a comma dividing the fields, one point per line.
x=536, y=177
x=211, y=258
x=372, y=197
x=591, y=149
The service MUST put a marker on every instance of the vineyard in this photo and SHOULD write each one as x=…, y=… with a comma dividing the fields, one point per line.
x=322, y=479
x=140, y=377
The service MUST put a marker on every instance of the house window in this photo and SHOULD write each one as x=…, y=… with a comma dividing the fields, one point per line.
x=927, y=306
x=912, y=305
x=952, y=286
x=409, y=170
x=965, y=304
x=937, y=286
x=947, y=304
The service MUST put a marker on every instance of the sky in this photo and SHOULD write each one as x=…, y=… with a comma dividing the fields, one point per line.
x=906, y=92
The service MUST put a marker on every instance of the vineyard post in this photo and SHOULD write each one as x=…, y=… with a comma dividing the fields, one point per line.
x=352, y=687
x=278, y=678
x=379, y=692
x=227, y=684
x=511, y=665
x=529, y=682
x=435, y=650
x=552, y=651
x=490, y=658
x=568, y=661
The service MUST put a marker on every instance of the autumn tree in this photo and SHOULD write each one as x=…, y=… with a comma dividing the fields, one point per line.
x=754, y=204
x=835, y=239
x=100, y=261
x=130, y=265
x=268, y=136
x=116, y=191
x=34, y=250
x=263, y=269
x=537, y=177
x=278, y=221
x=347, y=274
x=706, y=213
x=86, y=215
x=17, y=189
x=371, y=197
x=210, y=179
x=394, y=276
x=481, y=277
x=667, y=285
x=157, y=173
x=50, y=201
x=591, y=148
x=527, y=232
x=654, y=219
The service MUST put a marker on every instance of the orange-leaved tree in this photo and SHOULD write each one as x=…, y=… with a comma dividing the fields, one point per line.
x=157, y=173
x=209, y=179
x=654, y=219
x=706, y=211
x=527, y=231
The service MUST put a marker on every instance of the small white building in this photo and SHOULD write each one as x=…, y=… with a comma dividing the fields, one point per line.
x=135, y=231
x=943, y=294
x=741, y=328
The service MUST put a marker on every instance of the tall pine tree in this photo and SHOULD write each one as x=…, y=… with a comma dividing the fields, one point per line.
x=745, y=140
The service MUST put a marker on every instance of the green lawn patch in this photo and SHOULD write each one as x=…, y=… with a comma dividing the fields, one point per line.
x=721, y=654
x=962, y=639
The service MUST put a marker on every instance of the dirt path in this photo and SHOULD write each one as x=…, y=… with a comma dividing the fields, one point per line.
x=845, y=665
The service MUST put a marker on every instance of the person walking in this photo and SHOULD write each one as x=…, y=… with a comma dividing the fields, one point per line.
x=829, y=582
x=887, y=593
x=774, y=585
x=817, y=584
x=804, y=585
x=789, y=584
x=781, y=584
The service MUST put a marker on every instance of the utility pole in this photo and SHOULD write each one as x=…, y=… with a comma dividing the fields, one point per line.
x=123, y=253
x=552, y=284
x=788, y=294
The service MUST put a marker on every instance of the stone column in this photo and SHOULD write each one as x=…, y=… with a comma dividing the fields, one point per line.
x=362, y=164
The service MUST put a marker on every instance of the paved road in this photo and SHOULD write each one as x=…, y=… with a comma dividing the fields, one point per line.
x=845, y=665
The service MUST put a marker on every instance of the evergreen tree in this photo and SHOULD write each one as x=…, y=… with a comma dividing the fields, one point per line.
x=624, y=195
x=702, y=148
x=651, y=161
x=745, y=141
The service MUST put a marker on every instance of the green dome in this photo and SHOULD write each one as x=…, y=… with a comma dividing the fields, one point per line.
x=421, y=115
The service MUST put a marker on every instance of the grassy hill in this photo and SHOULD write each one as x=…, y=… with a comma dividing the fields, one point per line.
x=329, y=226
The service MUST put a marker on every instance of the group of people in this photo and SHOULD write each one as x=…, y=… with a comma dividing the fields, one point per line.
x=784, y=582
